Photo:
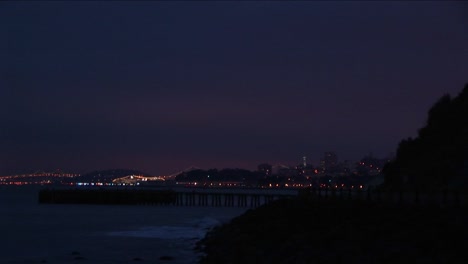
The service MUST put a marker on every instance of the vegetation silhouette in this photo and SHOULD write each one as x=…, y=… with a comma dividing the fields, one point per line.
x=438, y=157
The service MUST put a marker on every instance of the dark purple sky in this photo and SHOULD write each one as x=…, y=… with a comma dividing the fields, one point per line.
x=160, y=86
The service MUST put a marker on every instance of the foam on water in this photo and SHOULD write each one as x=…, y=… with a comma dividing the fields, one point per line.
x=101, y=233
x=192, y=230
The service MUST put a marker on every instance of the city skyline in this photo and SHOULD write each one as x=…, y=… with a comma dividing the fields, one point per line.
x=301, y=161
x=162, y=86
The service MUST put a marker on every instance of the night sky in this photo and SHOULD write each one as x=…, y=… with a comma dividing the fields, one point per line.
x=161, y=86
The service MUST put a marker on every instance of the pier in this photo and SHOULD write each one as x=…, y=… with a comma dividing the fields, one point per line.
x=243, y=197
x=157, y=197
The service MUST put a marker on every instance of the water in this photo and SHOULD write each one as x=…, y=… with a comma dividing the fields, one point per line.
x=47, y=233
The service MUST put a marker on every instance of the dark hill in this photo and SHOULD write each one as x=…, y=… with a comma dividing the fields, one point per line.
x=301, y=231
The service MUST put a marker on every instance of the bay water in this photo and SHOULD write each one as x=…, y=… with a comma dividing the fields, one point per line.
x=73, y=233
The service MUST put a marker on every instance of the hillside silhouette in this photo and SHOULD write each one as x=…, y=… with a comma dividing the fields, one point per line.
x=438, y=157
x=107, y=175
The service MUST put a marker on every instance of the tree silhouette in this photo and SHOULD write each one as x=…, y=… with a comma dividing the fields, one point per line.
x=437, y=158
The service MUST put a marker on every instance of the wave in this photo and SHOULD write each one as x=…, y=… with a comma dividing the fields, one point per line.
x=195, y=229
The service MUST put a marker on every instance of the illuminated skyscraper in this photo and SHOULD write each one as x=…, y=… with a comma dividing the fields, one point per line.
x=329, y=161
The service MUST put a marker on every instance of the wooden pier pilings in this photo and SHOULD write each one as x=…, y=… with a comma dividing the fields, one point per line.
x=241, y=198
x=155, y=197
x=107, y=196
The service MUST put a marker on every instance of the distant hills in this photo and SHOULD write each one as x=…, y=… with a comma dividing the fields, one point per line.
x=107, y=175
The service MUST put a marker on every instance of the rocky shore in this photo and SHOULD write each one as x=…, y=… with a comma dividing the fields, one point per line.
x=312, y=231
